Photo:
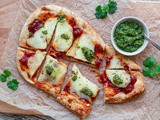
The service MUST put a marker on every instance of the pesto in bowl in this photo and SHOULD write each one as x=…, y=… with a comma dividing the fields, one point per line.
x=128, y=36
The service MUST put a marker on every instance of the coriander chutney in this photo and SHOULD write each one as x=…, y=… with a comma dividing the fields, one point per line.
x=128, y=36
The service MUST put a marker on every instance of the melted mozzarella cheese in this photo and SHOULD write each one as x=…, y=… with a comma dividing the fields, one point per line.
x=62, y=69
x=82, y=82
x=83, y=41
x=35, y=61
x=115, y=63
x=59, y=43
x=122, y=74
x=39, y=40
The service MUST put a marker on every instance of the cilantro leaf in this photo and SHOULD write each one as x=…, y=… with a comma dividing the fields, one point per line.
x=103, y=10
x=7, y=73
x=112, y=6
x=148, y=72
x=157, y=69
x=13, y=84
x=149, y=62
x=3, y=78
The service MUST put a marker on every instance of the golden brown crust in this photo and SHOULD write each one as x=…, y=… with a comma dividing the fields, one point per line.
x=110, y=52
x=73, y=103
x=139, y=87
x=49, y=89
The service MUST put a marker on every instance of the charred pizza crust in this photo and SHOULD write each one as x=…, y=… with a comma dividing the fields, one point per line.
x=139, y=87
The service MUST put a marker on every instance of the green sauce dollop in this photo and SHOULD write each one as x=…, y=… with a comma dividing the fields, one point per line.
x=128, y=36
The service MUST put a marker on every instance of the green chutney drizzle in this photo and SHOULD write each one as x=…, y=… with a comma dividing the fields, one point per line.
x=128, y=36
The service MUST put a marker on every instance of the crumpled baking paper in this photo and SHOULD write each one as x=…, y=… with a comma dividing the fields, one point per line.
x=147, y=106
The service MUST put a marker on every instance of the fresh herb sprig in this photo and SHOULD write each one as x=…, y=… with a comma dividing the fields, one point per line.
x=103, y=10
x=11, y=84
x=152, y=68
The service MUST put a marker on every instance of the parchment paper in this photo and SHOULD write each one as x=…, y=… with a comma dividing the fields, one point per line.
x=26, y=97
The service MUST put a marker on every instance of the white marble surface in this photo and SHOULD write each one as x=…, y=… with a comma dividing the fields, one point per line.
x=29, y=117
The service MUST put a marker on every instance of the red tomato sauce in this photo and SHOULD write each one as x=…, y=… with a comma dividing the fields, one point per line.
x=39, y=22
x=98, y=52
x=57, y=53
x=77, y=31
x=34, y=26
x=104, y=80
x=67, y=87
x=24, y=59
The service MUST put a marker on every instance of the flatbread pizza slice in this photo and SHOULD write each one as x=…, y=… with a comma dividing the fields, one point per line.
x=28, y=63
x=115, y=60
x=78, y=94
x=76, y=41
x=39, y=27
x=121, y=85
x=51, y=76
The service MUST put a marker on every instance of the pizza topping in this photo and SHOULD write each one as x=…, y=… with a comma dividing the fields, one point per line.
x=108, y=61
x=77, y=31
x=61, y=18
x=88, y=53
x=98, y=52
x=49, y=70
x=45, y=32
x=67, y=87
x=86, y=91
x=117, y=80
x=38, y=23
x=57, y=53
x=65, y=36
x=24, y=59
x=34, y=26
x=74, y=78
x=129, y=87
x=82, y=86
x=52, y=71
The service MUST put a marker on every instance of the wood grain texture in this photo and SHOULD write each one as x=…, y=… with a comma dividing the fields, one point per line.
x=5, y=5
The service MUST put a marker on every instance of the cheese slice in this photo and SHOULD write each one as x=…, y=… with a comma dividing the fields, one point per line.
x=35, y=61
x=59, y=42
x=115, y=63
x=76, y=51
x=123, y=75
x=40, y=40
x=59, y=71
x=82, y=82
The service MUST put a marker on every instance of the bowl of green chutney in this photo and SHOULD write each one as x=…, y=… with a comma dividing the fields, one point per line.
x=127, y=36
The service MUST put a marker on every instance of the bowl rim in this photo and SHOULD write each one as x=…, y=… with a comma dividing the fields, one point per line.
x=145, y=41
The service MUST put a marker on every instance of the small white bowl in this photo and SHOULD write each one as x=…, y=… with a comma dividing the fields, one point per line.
x=145, y=41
